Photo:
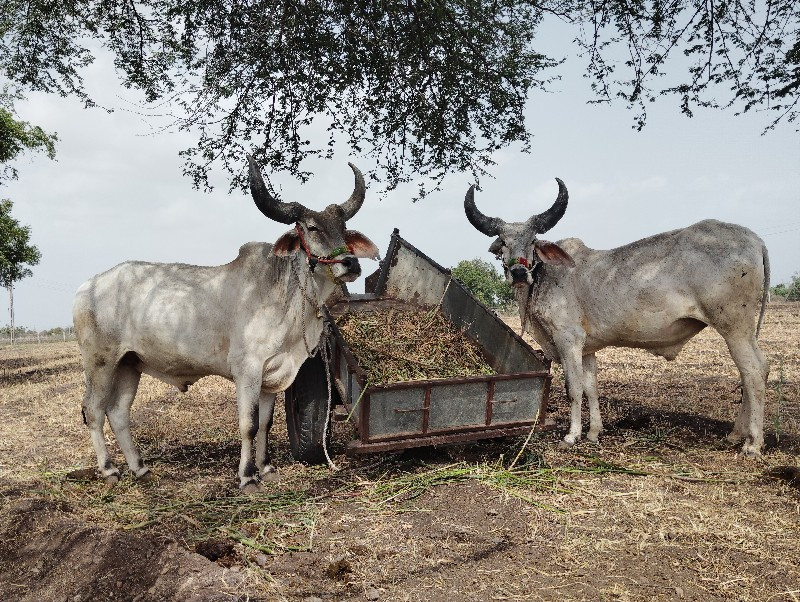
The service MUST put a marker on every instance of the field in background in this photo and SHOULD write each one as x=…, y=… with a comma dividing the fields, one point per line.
x=662, y=509
x=36, y=339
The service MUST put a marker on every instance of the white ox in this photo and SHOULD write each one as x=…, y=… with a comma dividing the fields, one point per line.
x=253, y=320
x=653, y=294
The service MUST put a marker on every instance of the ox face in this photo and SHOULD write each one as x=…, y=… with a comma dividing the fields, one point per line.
x=320, y=235
x=515, y=249
x=516, y=245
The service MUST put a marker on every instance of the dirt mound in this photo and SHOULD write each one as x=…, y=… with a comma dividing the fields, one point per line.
x=47, y=555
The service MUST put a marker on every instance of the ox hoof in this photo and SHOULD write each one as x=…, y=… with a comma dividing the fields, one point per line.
x=269, y=475
x=564, y=444
x=146, y=477
x=593, y=437
x=251, y=488
x=111, y=479
x=734, y=437
x=751, y=453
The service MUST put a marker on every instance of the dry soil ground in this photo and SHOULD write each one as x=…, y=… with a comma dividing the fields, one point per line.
x=662, y=509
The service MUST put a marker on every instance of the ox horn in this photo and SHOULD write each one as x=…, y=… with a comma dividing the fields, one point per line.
x=285, y=213
x=488, y=225
x=542, y=222
x=353, y=204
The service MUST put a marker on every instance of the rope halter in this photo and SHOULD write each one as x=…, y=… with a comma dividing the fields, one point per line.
x=521, y=261
x=328, y=259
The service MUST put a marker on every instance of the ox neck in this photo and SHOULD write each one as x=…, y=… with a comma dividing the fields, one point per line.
x=527, y=299
x=315, y=286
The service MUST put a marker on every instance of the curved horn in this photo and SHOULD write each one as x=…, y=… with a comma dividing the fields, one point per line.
x=488, y=225
x=285, y=213
x=353, y=204
x=542, y=222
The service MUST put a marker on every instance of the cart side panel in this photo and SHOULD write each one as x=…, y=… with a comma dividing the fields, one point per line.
x=414, y=278
x=458, y=405
x=516, y=400
x=504, y=351
x=396, y=412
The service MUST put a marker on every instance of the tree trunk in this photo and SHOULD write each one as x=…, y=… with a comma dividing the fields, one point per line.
x=11, y=297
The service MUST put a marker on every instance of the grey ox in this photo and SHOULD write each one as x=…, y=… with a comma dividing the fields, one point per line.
x=254, y=321
x=653, y=294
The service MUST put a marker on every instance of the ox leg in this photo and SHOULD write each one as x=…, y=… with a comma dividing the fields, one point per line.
x=754, y=370
x=99, y=389
x=266, y=409
x=592, y=396
x=742, y=424
x=247, y=394
x=572, y=362
x=126, y=382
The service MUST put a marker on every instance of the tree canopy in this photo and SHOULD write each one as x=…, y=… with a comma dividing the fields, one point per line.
x=425, y=87
x=482, y=280
x=16, y=252
x=790, y=291
x=17, y=136
x=739, y=54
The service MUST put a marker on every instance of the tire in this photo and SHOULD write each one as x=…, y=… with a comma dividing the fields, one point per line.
x=306, y=408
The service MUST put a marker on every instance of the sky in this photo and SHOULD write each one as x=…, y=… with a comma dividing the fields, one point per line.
x=116, y=192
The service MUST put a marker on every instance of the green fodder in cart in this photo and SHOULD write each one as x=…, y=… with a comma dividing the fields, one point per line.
x=403, y=345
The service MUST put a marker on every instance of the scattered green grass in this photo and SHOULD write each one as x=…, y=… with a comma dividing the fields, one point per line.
x=522, y=481
x=658, y=437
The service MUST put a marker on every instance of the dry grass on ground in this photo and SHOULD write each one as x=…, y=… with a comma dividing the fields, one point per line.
x=662, y=509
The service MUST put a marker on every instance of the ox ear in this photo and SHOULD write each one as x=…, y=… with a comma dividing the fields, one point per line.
x=286, y=244
x=551, y=253
x=361, y=245
x=496, y=247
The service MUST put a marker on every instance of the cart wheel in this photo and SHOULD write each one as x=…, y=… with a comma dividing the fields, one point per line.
x=306, y=406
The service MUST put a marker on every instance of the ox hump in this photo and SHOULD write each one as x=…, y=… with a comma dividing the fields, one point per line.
x=255, y=248
x=573, y=246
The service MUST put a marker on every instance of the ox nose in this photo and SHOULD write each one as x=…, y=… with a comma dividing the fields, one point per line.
x=519, y=275
x=352, y=265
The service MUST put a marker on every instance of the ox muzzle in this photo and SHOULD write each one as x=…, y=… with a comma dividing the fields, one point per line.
x=519, y=275
x=352, y=265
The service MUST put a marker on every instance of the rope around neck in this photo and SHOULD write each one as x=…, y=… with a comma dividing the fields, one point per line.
x=323, y=347
x=312, y=303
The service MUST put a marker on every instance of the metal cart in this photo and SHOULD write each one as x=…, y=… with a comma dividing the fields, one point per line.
x=420, y=412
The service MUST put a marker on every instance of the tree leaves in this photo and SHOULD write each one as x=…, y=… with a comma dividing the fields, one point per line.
x=728, y=54
x=482, y=280
x=18, y=136
x=16, y=254
x=421, y=87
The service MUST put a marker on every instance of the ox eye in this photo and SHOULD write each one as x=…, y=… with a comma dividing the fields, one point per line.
x=312, y=229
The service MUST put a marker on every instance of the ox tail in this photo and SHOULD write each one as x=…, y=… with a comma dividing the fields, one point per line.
x=765, y=292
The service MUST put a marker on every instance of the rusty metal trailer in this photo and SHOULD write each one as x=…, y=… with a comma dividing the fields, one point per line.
x=421, y=412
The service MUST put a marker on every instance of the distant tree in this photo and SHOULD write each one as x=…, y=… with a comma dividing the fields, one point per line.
x=17, y=136
x=423, y=87
x=791, y=291
x=483, y=281
x=779, y=290
x=18, y=331
x=16, y=254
